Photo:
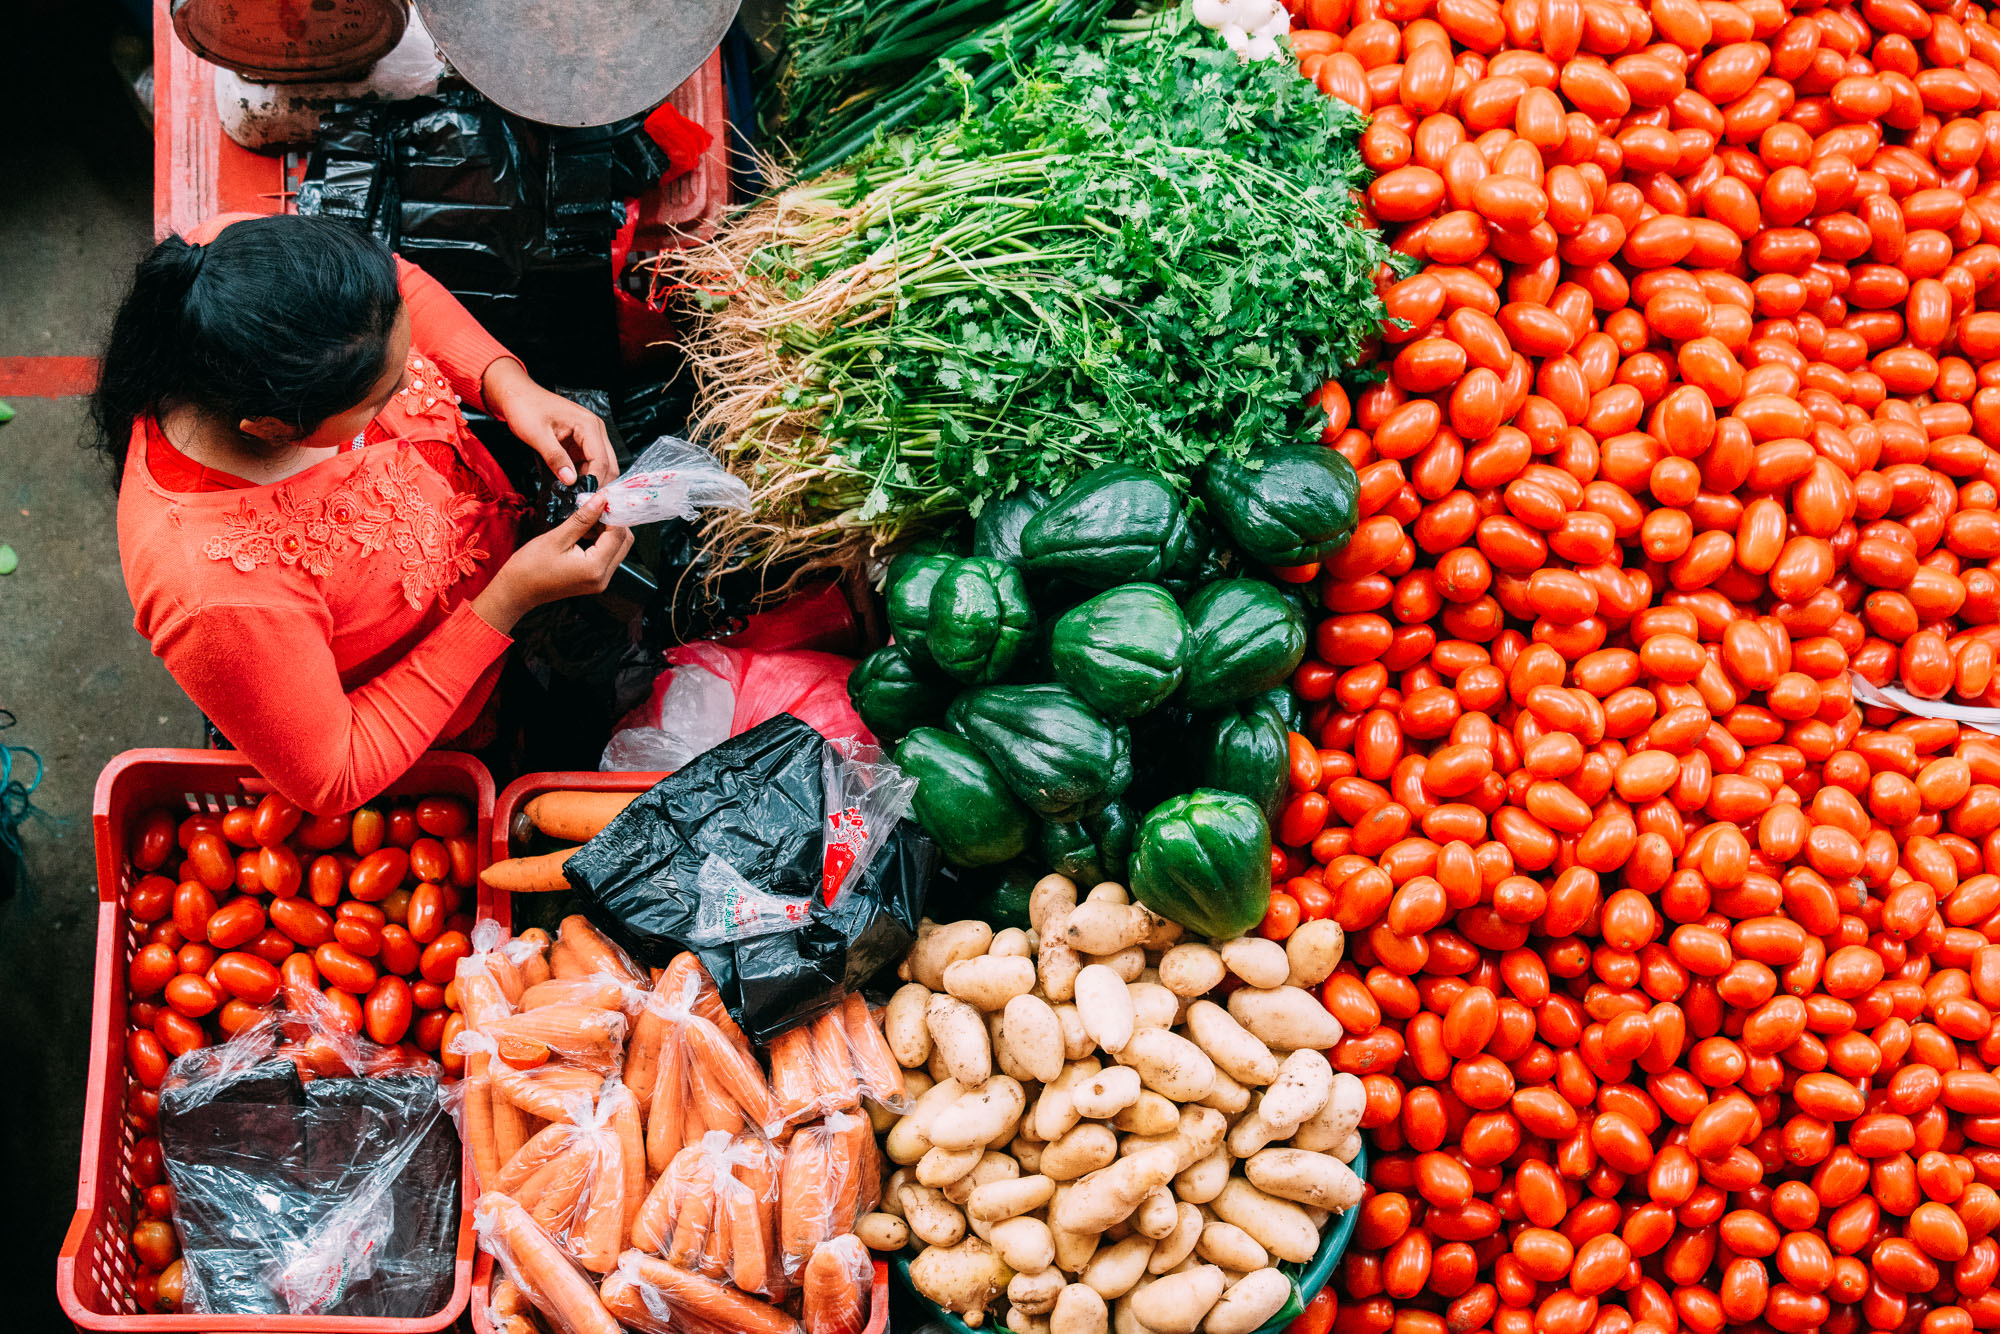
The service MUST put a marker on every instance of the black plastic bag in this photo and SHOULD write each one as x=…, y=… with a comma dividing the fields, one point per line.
x=756, y=801
x=332, y=1196
x=513, y=217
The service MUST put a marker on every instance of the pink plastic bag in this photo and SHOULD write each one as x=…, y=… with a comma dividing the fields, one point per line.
x=711, y=693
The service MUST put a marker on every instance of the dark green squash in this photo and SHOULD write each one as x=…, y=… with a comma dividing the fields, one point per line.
x=997, y=530
x=1203, y=859
x=1291, y=505
x=1092, y=850
x=1121, y=651
x=1058, y=756
x=1243, y=749
x=961, y=801
x=907, y=599
x=1111, y=526
x=894, y=693
x=981, y=619
x=1244, y=637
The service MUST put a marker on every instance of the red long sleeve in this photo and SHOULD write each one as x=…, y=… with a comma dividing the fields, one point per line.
x=265, y=675
x=448, y=332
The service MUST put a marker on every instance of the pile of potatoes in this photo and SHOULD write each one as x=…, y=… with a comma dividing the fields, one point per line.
x=1098, y=1145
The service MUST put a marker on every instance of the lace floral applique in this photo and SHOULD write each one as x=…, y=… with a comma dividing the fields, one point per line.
x=428, y=393
x=383, y=510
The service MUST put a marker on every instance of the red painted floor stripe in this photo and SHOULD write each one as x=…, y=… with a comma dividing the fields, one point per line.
x=47, y=377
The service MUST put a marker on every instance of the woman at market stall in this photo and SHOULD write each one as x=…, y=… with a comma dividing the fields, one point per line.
x=315, y=543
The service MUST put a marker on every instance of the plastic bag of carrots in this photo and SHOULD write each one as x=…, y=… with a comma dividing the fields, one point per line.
x=705, y=1077
x=582, y=1178
x=830, y=1063
x=831, y=1175
x=714, y=1211
x=837, y=1285
x=654, y=1296
x=551, y=1282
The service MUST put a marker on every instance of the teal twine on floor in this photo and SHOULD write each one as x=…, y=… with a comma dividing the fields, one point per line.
x=15, y=806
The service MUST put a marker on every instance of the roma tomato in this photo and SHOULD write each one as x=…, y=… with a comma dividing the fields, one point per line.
x=306, y=924
x=346, y=1005
x=402, y=828
x=365, y=830
x=400, y=952
x=236, y=923
x=464, y=862
x=388, y=1010
x=443, y=817
x=429, y=861
x=153, y=840
x=326, y=881
x=192, y=997
x=147, y=1058
x=150, y=899
x=239, y=826
x=151, y=969
x=274, y=821
x=214, y=865
x=248, y=977
x=278, y=871
x=425, y=917
x=439, y=963
x=178, y=1033
x=344, y=968
x=378, y=874
x=322, y=833
x=194, y=904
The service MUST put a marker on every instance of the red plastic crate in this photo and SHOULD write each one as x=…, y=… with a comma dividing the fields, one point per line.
x=517, y=795
x=95, y=1269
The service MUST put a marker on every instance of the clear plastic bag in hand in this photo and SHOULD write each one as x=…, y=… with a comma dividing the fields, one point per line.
x=672, y=479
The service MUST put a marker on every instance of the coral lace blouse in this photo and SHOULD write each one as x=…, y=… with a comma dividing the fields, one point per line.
x=324, y=623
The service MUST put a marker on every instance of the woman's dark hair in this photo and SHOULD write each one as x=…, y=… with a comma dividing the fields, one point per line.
x=286, y=317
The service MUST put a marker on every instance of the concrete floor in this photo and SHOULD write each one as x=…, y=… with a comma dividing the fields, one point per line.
x=75, y=215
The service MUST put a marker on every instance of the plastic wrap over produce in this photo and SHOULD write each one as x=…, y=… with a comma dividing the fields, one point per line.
x=314, y=1173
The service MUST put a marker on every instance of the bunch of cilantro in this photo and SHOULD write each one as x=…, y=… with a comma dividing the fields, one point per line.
x=1142, y=251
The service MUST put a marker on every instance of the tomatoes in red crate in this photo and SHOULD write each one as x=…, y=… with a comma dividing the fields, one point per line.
x=150, y=899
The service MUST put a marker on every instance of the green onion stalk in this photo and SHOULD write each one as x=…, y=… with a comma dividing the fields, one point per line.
x=1141, y=251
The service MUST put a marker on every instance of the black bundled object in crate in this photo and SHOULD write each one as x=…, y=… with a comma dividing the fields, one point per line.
x=756, y=801
x=514, y=217
x=332, y=1196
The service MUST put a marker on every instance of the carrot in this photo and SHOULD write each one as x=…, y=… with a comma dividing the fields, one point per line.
x=546, y=1145
x=543, y=1091
x=511, y=1128
x=642, y=1056
x=709, y=1105
x=597, y=953
x=734, y=1071
x=506, y=976
x=568, y=1174
x=507, y=1298
x=563, y=963
x=528, y=875
x=791, y=1075
x=833, y=1064
x=803, y=1191
x=701, y=1299
x=652, y=1225
x=534, y=960
x=599, y=993
x=580, y=1033
x=666, y=1126
x=598, y=1231
x=631, y=1155
x=576, y=817
x=836, y=1301
x=846, y=1153
x=478, y=1093
x=751, y=1183
x=480, y=998
x=880, y=1074
x=694, y=1218
x=557, y=1290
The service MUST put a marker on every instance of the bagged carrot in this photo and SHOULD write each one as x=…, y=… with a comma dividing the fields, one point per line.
x=703, y=1079
x=830, y=1063
x=596, y=953
x=529, y=953
x=746, y=1209
x=547, y=1277
x=654, y=1297
x=837, y=1285
x=575, y=1177
x=599, y=993
x=829, y=1178
x=577, y=1035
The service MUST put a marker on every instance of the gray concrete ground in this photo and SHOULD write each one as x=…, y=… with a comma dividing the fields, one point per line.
x=75, y=214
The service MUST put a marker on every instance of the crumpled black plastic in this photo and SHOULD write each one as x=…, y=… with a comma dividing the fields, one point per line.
x=257, y=1158
x=515, y=218
x=756, y=801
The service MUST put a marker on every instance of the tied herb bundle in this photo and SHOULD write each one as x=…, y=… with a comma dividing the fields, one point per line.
x=1144, y=251
x=853, y=69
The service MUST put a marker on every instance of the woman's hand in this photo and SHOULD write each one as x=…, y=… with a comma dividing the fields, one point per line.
x=562, y=432
x=554, y=566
